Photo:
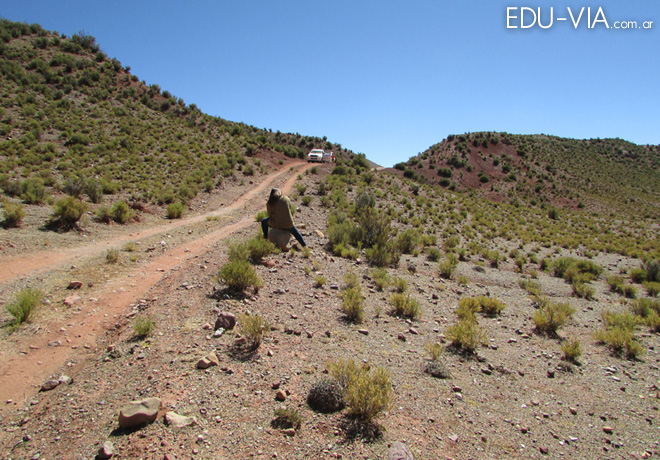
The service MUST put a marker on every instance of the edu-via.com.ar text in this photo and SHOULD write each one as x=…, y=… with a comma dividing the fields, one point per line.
x=591, y=18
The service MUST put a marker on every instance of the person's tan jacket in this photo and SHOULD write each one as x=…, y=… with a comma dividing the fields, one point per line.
x=280, y=214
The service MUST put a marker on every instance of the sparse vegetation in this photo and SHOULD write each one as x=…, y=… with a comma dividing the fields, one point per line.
x=405, y=306
x=552, y=316
x=143, y=326
x=22, y=308
x=253, y=328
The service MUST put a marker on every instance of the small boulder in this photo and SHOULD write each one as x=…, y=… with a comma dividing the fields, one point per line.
x=207, y=361
x=399, y=451
x=179, y=421
x=106, y=451
x=226, y=321
x=72, y=300
x=74, y=285
x=279, y=237
x=50, y=385
x=139, y=413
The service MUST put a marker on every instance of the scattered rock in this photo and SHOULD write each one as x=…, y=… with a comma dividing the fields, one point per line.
x=363, y=331
x=226, y=321
x=72, y=300
x=280, y=395
x=179, y=421
x=50, y=385
x=401, y=336
x=399, y=451
x=219, y=332
x=608, y=429
x=289, y=432
x=74, y=285
x=453, y=438
x=106, y=451
x=319, y=233
x=65, y=379
x=139, y=413
x=207, y=361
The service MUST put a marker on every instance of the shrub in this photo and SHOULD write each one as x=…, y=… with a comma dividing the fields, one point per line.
x=408, y=240
x=448, y=265
x=405, y=306
x=174, y=210
x=261, y=215
x=259, y=247
x=468, y=306
x=13, y=214
x=24, y=305
x=319, y=281
x=638, y=275
x=400, y=285
x=353, y=304
x=552, y=316
x=369, y=393
x=571, y=350
x=367, y=390
x=112, y=256
x=433, y=254
x=143, y=326
x=381, y=278
x=121, y=212
x=239, y=275
x=652, y=288
x=306, y=200
x=34, y=191
x=67, y=212
x=326, y=396
x=583, y=290
x=94, y=190
x=253, y=328
x=434, y=350
x=568, y=268
x=652, y=269
x=382, y=255
x=286, y=418
x=466, y=335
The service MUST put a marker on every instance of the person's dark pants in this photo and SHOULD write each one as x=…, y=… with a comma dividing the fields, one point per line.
x=293, y=230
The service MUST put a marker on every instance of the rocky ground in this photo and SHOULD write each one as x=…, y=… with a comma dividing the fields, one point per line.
x=515, y=398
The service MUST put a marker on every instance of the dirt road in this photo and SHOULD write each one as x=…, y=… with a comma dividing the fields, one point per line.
x=25, y=367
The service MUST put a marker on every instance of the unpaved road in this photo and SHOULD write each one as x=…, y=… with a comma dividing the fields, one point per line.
x=25, y=368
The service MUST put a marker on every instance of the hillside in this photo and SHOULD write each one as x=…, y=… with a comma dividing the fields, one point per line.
x=75, y=121
x=604, y=175
x=447, y=318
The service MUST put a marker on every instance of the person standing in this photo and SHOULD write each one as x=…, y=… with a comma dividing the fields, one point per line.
x=279, y=215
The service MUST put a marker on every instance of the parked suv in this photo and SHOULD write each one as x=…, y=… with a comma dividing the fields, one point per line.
x=315, y=155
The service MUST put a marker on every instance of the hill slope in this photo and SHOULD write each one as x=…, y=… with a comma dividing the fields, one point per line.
x=72, y=119
x=545, y=170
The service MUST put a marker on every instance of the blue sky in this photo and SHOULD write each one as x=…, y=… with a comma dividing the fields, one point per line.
x=382, y=77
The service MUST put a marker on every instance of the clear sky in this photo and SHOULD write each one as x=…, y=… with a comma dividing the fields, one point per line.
x=387, y=78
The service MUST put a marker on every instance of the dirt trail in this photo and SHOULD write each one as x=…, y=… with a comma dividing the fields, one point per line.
x=16, y=266
x=22, y=373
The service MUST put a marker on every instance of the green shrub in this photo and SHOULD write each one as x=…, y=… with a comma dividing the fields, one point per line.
x=22, y=308
x=638, y=275
x=319, y=281
x=405, y=306
x=433, y=254
x=571, y=349
x=381, y=278
x=13, y=214
x=34, y=191
x=174, y=210
x=307, y=200
x=583, y=290
x=448, y=265
x=619, y=334
x=400, y=284
x=67, y=212
x=382, y=255
x=466, y=335
x=408, y=240
x=569, y=267
x=652, y=269
x=94, y=190
x=121, y=212
x=253, y=328
x=367, y=390
x=286, y=418
x=143, y=326
x=552, y=316
x=259, y=247
x=239, y=275
x=261, y=215
x=652, y=288
x=353, y=304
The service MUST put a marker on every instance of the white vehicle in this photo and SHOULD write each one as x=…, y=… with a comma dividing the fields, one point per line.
x=316, y=155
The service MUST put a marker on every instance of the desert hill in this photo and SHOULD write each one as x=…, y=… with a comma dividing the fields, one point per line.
x=603, y=174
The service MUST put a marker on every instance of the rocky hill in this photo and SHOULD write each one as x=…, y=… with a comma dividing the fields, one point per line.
x=602, y=174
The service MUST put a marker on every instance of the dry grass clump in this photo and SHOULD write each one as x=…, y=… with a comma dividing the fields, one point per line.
x=466, y=335
x=619, y=334
x=143, y=326
x=469, y=306
x=253, y=328
x=326, y=396
x=571, y=349
x=367, y=391
x=286, y=418
x=552, y=316
x=405, y=306
x=22, y=308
